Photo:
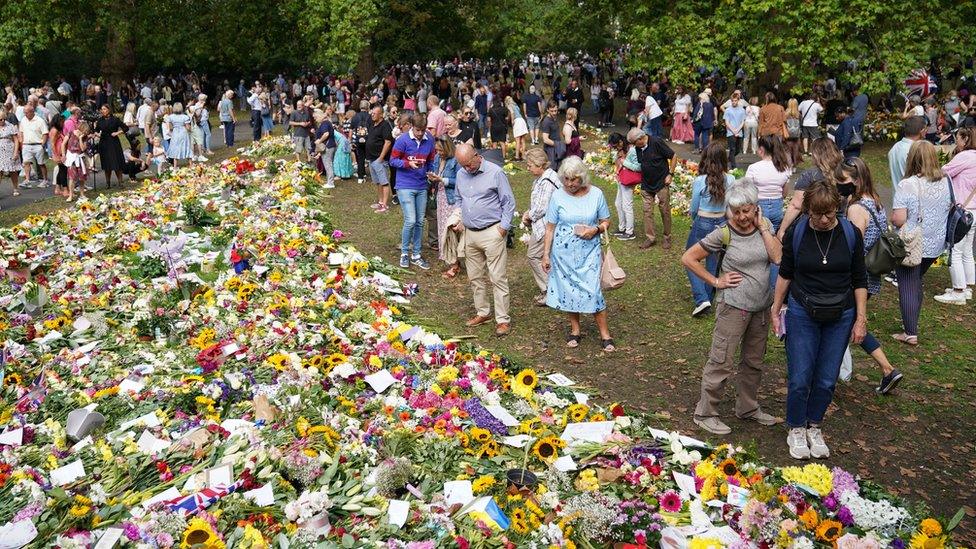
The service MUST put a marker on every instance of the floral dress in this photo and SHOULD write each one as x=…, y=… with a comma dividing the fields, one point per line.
x=871, y=235
x=9, y=162
x=574, y=279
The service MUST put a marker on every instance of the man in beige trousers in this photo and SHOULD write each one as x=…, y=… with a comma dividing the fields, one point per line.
x=487, y=206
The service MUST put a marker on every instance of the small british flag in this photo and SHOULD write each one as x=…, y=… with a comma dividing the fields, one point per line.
x=201, y=500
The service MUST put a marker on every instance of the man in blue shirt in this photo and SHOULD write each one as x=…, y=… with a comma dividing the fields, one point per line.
x=735, y=119
x=487, y=205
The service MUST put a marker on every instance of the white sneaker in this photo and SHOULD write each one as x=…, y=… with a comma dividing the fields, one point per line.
x=968, y=292
x=797, y=441
x=702, y=307
x=952, y=297
x=818, y=448
x=202, y=158
x=43, y=184
x=329, y=185
x=27, y=184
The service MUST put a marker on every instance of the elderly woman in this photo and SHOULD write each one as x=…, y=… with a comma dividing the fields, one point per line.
x=743, y=298
x=546, y=182
x=179, y=147
x=921, y=204
x=325, y=144
x=576, y=217
x=823, y=278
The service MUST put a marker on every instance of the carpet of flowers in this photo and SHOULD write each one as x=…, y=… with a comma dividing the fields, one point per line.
x=206, y=363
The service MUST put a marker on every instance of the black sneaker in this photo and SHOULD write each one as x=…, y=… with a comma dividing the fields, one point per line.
x=626, y=236
x=618, y=233
x=889, y=382
x=395, y=201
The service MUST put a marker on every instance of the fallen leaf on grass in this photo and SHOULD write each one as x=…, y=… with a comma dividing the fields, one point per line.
x=907, y=472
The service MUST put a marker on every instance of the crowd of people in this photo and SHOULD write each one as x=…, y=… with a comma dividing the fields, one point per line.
x=433, y=140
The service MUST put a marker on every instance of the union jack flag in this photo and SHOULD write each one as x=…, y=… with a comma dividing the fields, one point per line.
x=920, y=83
x=201, y=500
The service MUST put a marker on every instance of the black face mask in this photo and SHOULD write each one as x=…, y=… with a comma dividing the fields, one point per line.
x=845, y=189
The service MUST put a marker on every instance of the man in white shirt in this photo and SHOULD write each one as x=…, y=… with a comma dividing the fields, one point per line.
x=146, y=92
x=810, y=109
x=652, y=113
x=144, y=120
x=33, y=136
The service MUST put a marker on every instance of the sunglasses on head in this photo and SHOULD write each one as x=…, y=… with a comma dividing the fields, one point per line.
x=849, y=162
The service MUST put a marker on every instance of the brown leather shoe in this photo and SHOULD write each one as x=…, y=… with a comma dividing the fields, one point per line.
x=477, y=321
x=647, y=244
x=502, y=329
x=667, y=242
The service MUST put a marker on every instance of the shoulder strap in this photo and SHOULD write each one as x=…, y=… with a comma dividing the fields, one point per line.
x=806, y=112
x=848, y=234
x=799, y=227
x=872, y=213
x=726, y=240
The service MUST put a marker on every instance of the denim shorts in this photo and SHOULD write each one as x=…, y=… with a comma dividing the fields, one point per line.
x=379, y=172
x=532, y=122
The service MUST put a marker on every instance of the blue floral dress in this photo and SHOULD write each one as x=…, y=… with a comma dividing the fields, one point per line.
x=574, y=279
x=871, y=236
x=342, y=163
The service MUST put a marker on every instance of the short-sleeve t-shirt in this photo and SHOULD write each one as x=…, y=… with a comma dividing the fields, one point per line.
x=809, y=110
x=807, y=177
x=654, y=160
x=376, y=135
x=299, y=116
x=746, y=254
x=550, y=128
x=531, y=105
x=935, y=200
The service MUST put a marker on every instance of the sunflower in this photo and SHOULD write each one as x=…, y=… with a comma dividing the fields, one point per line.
x=480, y=435
x=577, y=412
x=12, y=379
x=483, y=484
x=728, y=467
x=488, y=449
x=518, y=514
x=829, y=530
x=198, y=533
x=278, y=360
x=809, y=518
x=520, y=526
x=921, y=541
x=524, y=383
x=547, y=449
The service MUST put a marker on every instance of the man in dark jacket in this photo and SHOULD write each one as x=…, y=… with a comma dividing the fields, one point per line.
x=657, y=161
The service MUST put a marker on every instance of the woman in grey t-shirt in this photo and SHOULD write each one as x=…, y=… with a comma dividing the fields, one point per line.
x=748, y=248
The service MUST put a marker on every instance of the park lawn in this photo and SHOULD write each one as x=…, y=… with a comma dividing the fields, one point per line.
x=918, y=441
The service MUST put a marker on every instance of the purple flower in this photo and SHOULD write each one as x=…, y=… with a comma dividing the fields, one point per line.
x=482, y=418
x=844, y=482
x=898, y=543
x=131, y=531
x=845, y=516
x=830, y=501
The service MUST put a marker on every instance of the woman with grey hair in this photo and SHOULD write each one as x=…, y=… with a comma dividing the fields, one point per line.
x=180, y=147
x=576, y=217
x=546, y=182
x=748, y=248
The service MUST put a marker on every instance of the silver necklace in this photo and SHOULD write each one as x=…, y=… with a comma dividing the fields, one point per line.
x=830, y=240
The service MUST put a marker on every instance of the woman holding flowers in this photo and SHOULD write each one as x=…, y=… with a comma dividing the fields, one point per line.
x=576, y=217
x=749, y=247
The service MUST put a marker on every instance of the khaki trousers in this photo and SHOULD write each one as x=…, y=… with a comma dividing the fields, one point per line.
x=663, y=198
x=747, y=331
x=486, y=260
x=535, y=261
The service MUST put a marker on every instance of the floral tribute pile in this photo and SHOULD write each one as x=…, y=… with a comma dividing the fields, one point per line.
x=603, y=164
x=206, y=363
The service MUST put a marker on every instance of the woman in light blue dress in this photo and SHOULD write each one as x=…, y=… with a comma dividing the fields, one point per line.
x=179, y=141
x=342, y=163
x=577, y=215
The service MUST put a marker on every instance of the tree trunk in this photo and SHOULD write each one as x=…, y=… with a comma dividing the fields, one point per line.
x=366, y=68
x=119, y=62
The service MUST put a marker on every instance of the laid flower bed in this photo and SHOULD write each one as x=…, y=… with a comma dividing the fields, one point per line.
x=206, y=363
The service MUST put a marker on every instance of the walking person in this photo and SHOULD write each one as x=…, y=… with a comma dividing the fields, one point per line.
x=657, y=161
x=962, y=171
x=628, y=177
x=411, y=157
x=203, y=121
x=499, y=119
x=823, y=279
x=681, y=128
x=228, y=120
x=551, y=140
x=519, y=127
x=110, y=156
x=772, y=117
x=376, y=151
x=743, y=295
x=708, y=211
x=254, y=102
x=10, y=157
x=179, y=147
x=576, y=217
x=751, y=140
x=487, y=207
x=866, y=212
x=921, y=205
x=810, y=109
x=735, y=119
x=571, y=135
x=770, y=176
x=703, y=121
x=546, y=182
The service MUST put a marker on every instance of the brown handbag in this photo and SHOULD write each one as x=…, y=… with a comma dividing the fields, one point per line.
x=611, y=275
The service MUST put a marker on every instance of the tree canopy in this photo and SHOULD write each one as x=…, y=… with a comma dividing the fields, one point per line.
x=788, y=42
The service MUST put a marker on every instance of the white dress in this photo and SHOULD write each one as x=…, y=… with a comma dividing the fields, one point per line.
x=519, y=127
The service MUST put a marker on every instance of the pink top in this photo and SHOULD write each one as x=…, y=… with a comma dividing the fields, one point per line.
x=435, y=121
x=962, y=170
x=769, y=181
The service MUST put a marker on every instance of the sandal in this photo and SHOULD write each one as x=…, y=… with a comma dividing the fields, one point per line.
x=905, y=338
x=16, y=193
x=607, y=345
x=573, y=340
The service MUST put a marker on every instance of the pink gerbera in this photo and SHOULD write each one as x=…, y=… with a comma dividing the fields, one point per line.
x=670, y=501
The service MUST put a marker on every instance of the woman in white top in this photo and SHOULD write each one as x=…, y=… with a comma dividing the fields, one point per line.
x=681, y=130
x=770, y=175
x=751, y=141
x=129, y=118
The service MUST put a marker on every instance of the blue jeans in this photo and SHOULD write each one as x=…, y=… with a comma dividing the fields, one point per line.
x=702, y=137
x=205, y=128
x=229, y=127
x=413, y=202
x=814, y=351
x=772, y=209
x=700, y=227
x=654, y=128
